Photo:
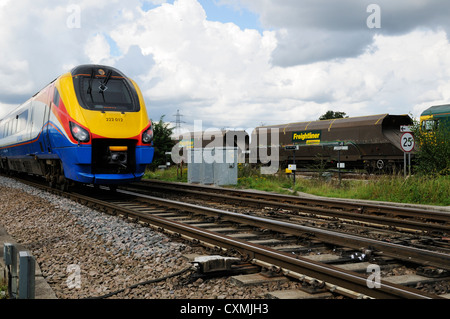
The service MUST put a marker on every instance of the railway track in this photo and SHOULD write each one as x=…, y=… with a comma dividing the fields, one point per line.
x=406, y=218
x=274, y=244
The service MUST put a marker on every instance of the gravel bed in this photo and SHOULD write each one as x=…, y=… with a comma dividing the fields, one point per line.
x=111, y=254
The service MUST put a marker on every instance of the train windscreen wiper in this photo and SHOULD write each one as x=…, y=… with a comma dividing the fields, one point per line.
x=103, y=86
x=89, y=91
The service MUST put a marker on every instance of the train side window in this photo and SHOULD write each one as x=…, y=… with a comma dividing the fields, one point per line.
x=22, y=121
x=56, y=97
x=10, y=127
x=7, y=129
x=14, y=126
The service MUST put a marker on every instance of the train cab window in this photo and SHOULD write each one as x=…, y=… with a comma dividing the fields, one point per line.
x=429, y=125
x=114, y=94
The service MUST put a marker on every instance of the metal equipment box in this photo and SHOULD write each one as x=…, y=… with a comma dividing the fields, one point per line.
x=216, y=166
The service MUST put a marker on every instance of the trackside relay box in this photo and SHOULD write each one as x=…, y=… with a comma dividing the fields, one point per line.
x=216, y=165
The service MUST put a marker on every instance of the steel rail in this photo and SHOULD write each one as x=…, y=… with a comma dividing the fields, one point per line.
x=327, y=273
x=439, y=215
x=373, y=219
x=410, y=254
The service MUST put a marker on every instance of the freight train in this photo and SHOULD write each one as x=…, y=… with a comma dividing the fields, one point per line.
x=373, y=142
x=89, y=125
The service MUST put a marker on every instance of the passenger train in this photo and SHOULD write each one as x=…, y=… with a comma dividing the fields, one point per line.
x=89, y=125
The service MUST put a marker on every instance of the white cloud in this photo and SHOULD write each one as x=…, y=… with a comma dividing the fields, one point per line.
x=98, y=50
x=312, y=30
x=216, y=71
x=6, y=108
x=205, y=63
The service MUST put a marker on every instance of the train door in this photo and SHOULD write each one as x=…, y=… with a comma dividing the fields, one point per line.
x=32, y=130
x=46, y=122
x=38, y=111
x=29, y=125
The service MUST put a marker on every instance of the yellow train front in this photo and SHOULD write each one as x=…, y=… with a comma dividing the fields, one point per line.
x=110, y=134
x=89, y=125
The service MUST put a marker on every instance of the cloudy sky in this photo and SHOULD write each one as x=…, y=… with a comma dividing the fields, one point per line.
x=238, y=63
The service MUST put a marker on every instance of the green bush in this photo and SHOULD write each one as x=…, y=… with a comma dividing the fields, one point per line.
x=433, y=151
x=162, y=143
x=3, y=290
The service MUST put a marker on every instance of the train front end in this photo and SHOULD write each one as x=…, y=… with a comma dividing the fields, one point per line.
x=110, y=132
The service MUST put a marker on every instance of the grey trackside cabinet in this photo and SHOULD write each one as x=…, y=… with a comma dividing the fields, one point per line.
x=217, y=165
x=194, y=165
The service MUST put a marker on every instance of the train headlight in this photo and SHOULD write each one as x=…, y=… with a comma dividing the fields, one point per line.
x=147, y=136
x=79, y=133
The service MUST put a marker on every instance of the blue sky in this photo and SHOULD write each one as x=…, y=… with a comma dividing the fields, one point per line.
x=225, y=13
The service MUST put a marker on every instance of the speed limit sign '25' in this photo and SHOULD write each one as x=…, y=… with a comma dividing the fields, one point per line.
x=407, y=142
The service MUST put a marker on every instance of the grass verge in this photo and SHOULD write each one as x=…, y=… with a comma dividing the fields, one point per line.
x=171, y=174
x=414, y=190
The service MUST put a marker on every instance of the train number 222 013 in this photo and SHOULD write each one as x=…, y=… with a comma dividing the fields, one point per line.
x=114, y=119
